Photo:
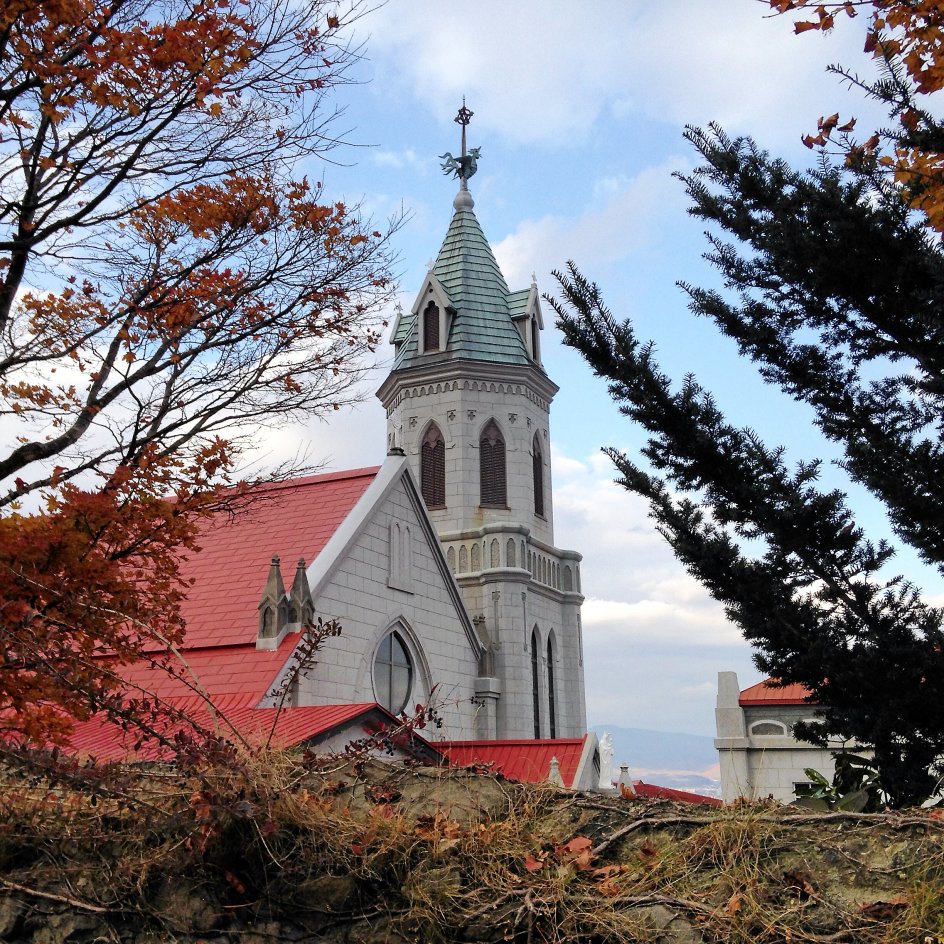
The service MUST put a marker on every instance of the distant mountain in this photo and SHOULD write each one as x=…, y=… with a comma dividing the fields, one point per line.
x=666, y=758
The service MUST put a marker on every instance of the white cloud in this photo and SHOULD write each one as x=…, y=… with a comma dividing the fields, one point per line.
x=654, y=640
x=550, y=72
x=623, y=225
x=400, y=159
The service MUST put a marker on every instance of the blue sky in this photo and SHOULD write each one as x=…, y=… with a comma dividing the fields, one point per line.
x=579, y=112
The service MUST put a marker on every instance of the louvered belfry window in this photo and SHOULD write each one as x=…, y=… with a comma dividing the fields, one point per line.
x=493, y=488
x=537, y=461
x=431, y=328
x=433, y=468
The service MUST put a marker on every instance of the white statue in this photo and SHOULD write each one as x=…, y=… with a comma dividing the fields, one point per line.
x=606, y=761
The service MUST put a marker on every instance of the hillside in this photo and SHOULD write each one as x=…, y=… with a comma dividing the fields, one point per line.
x=278, y=851
x=669, y=758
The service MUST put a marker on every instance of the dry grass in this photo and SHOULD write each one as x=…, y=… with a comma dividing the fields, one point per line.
x=448, y=856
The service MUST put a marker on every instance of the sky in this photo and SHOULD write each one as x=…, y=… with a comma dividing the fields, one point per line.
x=579, y=111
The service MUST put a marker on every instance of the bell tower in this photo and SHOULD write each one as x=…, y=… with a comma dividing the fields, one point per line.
x=468, y=402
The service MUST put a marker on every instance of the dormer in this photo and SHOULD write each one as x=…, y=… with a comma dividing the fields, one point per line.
x=432, y=314
x=525, y=310
x=301, y=611
x=273, y=607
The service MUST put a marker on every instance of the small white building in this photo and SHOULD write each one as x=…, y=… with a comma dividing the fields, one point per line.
x=759, y=755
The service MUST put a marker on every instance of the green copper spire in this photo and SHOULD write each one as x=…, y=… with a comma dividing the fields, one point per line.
x=480, y=322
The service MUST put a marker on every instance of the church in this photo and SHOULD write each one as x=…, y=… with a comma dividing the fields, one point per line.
x=439, y=565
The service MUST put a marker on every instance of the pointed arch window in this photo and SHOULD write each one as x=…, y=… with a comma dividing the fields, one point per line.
x=492, y=480
x=431, y=341
x=537, y=470
x=551, y=710
x=433, y=468
x=535, y=683
x=393, y=673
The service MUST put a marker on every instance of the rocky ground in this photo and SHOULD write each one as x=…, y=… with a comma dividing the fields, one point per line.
x=276, y=851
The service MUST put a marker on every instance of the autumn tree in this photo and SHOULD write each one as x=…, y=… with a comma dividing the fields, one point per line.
x=906, y=39
x=834, y=288
x=168, y=282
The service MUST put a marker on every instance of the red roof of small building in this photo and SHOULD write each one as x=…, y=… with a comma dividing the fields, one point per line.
x=667, y=793
x=293, y=519
x=526, y=760
x=770, y=693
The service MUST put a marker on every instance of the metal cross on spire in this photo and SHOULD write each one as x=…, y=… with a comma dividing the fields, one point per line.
x=466, y=164
x=463, y=118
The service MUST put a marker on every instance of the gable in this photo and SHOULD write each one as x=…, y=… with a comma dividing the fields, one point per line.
x=360, y=549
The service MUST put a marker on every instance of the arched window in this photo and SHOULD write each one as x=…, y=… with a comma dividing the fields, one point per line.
x=551, y=712
x=535, y=682
x=431, y=328
x=476, y=558
x=494, y=552
x=535, y=350
x=510, y=553
x=393, y=673
x=537, y=469
x=463, y=559
x=433, y=468
x=768, y=727
x=451, y=559
x=493, y=490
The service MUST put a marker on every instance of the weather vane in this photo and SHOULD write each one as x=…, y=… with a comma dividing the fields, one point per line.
x=467, y=163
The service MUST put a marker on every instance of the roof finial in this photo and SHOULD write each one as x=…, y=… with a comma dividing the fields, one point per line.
x=466, y=164
x=463, y=118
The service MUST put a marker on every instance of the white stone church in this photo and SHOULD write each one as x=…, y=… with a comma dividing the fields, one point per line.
x=440, y=565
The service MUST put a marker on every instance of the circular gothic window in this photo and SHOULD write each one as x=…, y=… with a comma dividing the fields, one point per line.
x=393, y=673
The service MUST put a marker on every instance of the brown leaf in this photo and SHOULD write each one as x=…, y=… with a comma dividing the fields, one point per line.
x=579, y=851
x=883, y=910
x=735, y=904
x=532, y=864
x=799, y=883
x=647, y=850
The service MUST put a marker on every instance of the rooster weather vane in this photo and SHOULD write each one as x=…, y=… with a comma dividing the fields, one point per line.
x=467, y=163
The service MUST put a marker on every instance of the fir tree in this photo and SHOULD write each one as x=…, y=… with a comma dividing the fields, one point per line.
x=837, y=297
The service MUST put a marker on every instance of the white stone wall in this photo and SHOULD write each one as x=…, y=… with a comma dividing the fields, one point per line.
x=511, y=575
x=359, y=595
x=755, y=765
x=462, y=409
x=514, y=606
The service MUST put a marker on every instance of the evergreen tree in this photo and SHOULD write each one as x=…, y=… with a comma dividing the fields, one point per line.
x=835, y=285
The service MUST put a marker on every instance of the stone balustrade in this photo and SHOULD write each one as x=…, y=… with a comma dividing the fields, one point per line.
x=499, y=547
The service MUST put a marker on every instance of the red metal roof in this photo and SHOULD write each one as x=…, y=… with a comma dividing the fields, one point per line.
x=293, y=519
x=100, y=739
x=526, y=760
x=667, y=793
x=769, y=693
x=225, y=670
